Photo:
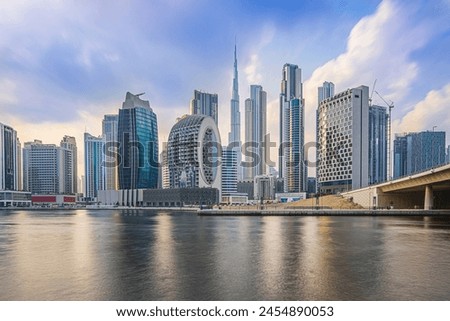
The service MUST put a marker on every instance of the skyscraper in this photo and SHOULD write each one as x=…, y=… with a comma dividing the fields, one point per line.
x=234, y=136
x=416, y=152
x=95, y=173
x=110, y=133
x=193, y=152
x=70, y=162
x=255, y=132
x=205, y=104
x=326, y=91
x=19, y=178
x=292, y=167
x=49, y=169
x=138, y=144
x=164, y=168
x=229, y=171
x=343, y=141
x=400, y=155
x=378, y=119
x=9, y=159
x=41, y=168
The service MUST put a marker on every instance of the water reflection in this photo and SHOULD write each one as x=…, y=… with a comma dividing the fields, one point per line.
x=146, y=255
x=164, y=262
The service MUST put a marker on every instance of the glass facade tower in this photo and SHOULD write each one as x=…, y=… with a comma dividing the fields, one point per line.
x=378, y=119
x=205, y=104
x=416, y=152
x=292, y=167
x=9, y=159
x=255, y=132
x=138, y=144
x=109, y=131
x=93, y=169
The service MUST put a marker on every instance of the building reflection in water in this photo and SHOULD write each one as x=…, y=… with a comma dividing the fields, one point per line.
x=55, y=257
x=151, y=255
x=164, y=267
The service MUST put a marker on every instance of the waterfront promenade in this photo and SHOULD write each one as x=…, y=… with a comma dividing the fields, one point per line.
x=321, y=212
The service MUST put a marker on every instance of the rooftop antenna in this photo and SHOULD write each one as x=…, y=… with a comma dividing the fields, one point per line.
x=139, y=94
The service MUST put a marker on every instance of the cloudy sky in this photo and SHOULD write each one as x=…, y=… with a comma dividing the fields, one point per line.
x=64, y=64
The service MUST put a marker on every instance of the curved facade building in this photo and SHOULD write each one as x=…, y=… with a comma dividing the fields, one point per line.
x=194, y=153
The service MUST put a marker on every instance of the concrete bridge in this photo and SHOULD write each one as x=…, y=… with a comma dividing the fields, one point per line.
x=426, y=190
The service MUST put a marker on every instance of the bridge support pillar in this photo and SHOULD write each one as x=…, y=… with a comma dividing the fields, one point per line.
x=428, y=203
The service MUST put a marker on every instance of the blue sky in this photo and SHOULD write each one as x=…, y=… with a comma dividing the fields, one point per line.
x=64, y=64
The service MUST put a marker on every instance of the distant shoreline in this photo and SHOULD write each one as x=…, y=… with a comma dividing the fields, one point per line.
x=257, y=212
x=325, y=212
x=102, y=208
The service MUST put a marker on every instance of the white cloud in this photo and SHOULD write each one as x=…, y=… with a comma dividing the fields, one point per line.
x=7, y=92
x=251, y=70
x=379, y=47
x=431, y=111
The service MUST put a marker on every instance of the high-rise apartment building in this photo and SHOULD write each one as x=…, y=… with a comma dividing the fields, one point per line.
x=49, y=169
x=378, y=119
x=194, y=154
x=138, y=144
x=400, y=155
x=255, y=132
x=352, y=140
x=205, y=104
x=10, y=171
x=94, y=169
x=164, y=167
x=19, y=177
x=323, y=92
x=326, y=91
x=41, y=168
x=343, y=141
x=292, y=167
x=416, y=152
x=229, y=171
x=234, y=136
x=70, y=162
x=110, y=126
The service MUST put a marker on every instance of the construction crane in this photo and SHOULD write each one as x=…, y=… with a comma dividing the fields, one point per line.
x=390, y=105
x=371, y=94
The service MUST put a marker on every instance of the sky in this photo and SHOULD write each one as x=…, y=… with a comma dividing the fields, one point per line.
x=65, y=64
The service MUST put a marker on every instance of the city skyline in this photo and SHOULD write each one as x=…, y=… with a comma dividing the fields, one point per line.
x=68, y=73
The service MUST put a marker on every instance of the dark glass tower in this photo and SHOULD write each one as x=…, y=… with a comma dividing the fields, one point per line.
x=138, y=144
x=9, y=168
x=416, y=152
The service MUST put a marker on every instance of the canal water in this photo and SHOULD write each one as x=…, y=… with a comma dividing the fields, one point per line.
x=162, y=255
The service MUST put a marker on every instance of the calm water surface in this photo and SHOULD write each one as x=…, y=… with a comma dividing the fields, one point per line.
x=158, y=255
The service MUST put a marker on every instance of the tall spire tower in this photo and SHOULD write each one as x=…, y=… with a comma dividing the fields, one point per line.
x=234, y=136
